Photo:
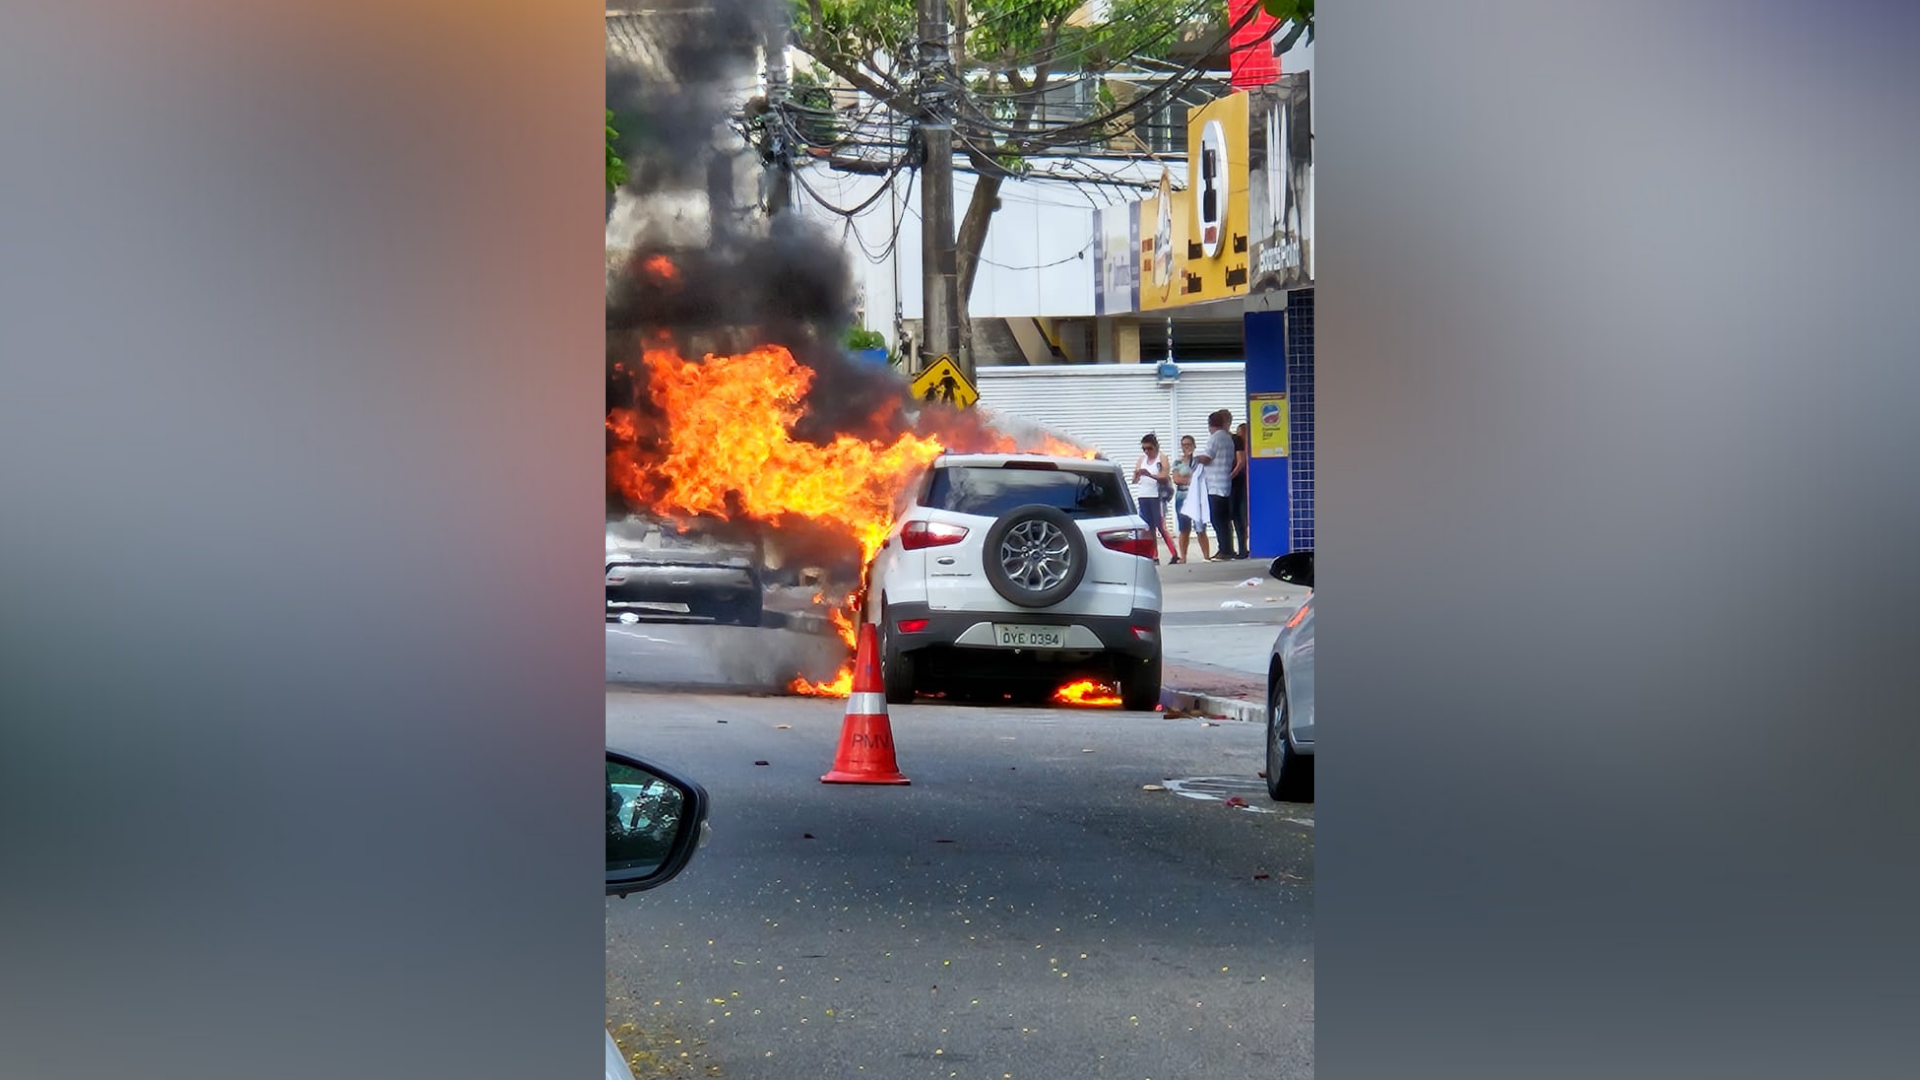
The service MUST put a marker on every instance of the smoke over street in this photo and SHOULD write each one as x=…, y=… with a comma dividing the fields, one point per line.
x=733, y=408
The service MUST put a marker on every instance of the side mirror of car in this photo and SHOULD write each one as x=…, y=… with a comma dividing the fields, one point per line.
x=1294, y=568
x=655, y=820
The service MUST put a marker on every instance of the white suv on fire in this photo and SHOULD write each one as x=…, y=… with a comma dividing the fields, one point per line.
x=1011, y=573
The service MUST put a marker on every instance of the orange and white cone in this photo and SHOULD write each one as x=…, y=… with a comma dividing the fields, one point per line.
x=866, y=735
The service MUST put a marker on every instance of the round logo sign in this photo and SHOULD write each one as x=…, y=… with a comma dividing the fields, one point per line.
x=1210, y=189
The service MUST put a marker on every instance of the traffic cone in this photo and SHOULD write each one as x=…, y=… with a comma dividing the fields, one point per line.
x=866, y=736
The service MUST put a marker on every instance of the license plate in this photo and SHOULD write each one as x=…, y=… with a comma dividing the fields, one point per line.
x=1032, y=637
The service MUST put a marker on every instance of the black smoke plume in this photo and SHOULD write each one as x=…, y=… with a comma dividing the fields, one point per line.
x=740, y=278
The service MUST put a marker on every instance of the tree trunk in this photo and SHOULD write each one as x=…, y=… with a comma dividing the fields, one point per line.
x=967, y=244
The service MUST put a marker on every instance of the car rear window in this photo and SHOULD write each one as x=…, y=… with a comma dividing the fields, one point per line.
x=993, y=490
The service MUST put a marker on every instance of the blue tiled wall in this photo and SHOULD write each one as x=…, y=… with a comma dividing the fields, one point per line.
x=1300, y=415
x=1268, y=516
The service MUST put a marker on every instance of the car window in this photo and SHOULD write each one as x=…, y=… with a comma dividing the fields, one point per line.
x=992, y=491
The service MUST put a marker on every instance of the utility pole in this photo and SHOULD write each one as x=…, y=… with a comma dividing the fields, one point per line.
x=779, y=184
x=939, y=265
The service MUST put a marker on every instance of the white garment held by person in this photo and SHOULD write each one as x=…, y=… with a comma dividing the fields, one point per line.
x=1196, y=504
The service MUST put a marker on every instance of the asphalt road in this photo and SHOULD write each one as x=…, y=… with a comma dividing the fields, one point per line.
x=1024, y=909
x=688, y=653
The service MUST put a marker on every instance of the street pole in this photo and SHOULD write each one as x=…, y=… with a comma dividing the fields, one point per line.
x=779, y=169
x=939, y=265
x=893, y=200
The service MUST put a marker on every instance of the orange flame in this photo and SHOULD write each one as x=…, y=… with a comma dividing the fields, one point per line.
x=842, y=683
x=840, y=686
x=1086, y=692
x=661, y=268
x=728, y=448
x=722, y=446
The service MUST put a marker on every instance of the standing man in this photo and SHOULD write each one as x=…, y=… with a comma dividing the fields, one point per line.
x=1219, y=458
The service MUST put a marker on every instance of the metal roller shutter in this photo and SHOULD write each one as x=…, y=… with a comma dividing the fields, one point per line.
x=1109, y=406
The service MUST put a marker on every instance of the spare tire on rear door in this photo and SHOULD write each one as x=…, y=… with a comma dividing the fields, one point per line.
x=1035, y=556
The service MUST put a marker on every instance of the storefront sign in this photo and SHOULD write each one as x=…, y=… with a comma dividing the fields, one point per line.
x=1281, y=162
x=1194, y=243
x=1268, y=426
x=1116, y=260
x=1212, y=265
x=1162, y=249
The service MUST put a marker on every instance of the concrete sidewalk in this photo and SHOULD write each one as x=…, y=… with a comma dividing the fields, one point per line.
x=1216, y=649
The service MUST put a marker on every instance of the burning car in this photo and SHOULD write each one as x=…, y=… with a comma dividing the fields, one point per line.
x=650, y=564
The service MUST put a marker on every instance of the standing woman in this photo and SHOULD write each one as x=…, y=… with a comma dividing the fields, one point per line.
x=1184, y=472
x=1197, y=507
x=1148, y=474
x=1243, y=461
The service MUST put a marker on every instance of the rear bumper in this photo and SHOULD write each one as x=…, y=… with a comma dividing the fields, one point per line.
x=666, y=583
x=973, y=631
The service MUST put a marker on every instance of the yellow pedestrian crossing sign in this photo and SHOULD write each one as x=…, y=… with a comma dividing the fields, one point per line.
x=942, y=381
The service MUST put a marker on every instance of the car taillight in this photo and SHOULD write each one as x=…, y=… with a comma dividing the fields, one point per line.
x=926, y=534
x=1131, y=541
x=912, y=626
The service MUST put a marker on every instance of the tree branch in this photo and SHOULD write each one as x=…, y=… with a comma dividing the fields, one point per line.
x=973, y=231
x=1044, y=67
x=847, y=68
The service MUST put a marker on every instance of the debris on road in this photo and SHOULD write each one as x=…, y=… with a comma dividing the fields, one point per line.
x=1153, y=787
x=759, y=763
x=1234, y=605
x=628, y=618
x=1236, y=801
x=1248, y=584
x=781, y=727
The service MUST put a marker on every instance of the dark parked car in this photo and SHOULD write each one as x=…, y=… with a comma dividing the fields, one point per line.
x=650, y=564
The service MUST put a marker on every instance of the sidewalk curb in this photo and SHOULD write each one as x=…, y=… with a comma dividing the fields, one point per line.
x=1212, y=705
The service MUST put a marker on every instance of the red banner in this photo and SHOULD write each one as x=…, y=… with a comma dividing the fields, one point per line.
x=1251, y=55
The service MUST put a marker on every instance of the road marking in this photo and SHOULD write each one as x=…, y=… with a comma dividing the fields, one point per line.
x=1221, y=788
x=636, y=634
